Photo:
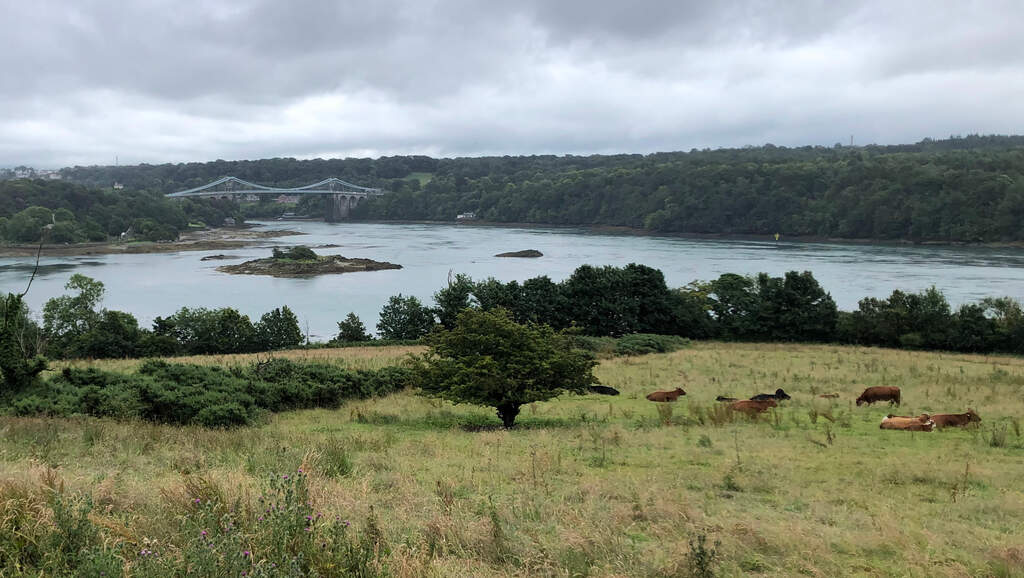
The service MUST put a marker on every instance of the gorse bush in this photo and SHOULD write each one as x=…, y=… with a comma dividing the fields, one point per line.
x=209, y=396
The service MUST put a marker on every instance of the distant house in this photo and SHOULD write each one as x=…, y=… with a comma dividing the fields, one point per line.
x=118, y=186
x=229, y=221
x=284, y=199
x=465, y=216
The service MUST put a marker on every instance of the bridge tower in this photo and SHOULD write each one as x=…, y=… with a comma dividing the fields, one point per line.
x=339, y=206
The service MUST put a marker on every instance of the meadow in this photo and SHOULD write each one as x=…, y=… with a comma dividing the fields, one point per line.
x=584, y=485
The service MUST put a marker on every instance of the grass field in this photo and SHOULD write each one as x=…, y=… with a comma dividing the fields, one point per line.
x=423, y=178
x=595, y=485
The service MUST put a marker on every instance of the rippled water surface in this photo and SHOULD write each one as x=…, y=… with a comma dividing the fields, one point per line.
x=158, y=284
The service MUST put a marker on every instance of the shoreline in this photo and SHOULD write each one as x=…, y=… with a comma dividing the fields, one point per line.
x=226, y=238
x=631, y=231
x=222, y=238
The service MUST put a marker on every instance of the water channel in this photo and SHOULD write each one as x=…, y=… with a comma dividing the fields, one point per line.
x=151, y=285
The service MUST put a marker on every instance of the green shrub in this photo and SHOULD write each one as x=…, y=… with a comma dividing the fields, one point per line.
x=644, y=343
x=203, y=395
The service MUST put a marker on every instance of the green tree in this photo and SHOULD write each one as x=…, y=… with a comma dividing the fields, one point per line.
x=404, y=318
x=352, y=329
x=794, y=308
x=452, y=299
x=69, y=317
x=488, y=359
x=20, y=366
x=115, y=334
x=278, y=329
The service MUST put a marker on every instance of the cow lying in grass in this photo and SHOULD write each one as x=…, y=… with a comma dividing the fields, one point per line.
x=603, y=390
x=955, y=419
x=666, y=395
x=752, y=407
x=880, y=393
x=922, y=422
x=779, y=395
x=724, y=398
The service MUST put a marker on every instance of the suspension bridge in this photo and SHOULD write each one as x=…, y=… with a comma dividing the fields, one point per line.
x=344, y=195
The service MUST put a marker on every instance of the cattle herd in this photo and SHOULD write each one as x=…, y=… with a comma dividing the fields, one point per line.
x=763, y=401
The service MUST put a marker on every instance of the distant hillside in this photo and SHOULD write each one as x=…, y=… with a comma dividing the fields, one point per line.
x=963, y=189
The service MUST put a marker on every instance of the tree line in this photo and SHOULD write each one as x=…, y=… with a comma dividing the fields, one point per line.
x=594, y=301
x=961, y=189
x=617, y=301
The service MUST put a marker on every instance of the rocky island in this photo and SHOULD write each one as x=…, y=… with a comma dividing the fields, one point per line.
x=303, y=262
x=527, y=253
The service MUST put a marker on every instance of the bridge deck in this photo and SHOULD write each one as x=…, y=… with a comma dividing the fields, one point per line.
x=226, y=186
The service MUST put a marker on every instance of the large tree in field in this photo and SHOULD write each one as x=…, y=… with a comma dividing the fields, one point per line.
x=489, y=359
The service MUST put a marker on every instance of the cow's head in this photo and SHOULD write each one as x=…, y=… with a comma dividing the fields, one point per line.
x=779, y=394
x=971, y=416
x=679, y=391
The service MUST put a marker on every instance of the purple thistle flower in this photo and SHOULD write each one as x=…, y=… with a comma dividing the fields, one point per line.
x=308, y=529
x=197, y=500
x=246, y=553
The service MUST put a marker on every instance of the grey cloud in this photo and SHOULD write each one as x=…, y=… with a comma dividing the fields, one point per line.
x=160, y=80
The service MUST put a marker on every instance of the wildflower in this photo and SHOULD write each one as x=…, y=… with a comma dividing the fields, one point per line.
x=246, y=553
x=300, y=470
x=285, y=476
x=346, y=523
x=309, y=517
x=260, y=519
x=197, y=500
x=203, y=533
x=308, y=529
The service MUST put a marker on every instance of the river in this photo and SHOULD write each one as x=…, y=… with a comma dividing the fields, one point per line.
x=151, y=285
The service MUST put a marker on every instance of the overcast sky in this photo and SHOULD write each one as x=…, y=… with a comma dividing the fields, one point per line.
x=157, y=81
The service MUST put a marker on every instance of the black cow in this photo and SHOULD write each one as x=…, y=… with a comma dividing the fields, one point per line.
x=779, y=395
x=603, y=390
x=723, y=398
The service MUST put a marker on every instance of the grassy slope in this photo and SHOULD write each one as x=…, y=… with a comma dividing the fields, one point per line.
x=610, y=486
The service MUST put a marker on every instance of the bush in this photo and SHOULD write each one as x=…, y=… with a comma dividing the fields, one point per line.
x=208, y=396
x=223, y=415
x=644, y=343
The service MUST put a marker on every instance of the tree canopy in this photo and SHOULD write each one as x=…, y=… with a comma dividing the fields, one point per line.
x=489, y=359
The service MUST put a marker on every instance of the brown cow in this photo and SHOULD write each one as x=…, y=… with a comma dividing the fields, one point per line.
x=829, y=395
x=880, y=393
x=752, y=407
x=955, y=419
x=922, y=422
x=666, y=395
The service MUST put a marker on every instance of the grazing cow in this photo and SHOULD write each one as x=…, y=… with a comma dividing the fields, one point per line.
x=603, y=390
x=779, y=395
x=666, y=395
x=955, y=419
x=752, y=407
x=880, y=393
x=829, y=395
x=723, y=398
x=922, y=422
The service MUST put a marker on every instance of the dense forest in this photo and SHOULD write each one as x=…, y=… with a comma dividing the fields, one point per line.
x=63, y=212
x=956, y=190
x=963, y=189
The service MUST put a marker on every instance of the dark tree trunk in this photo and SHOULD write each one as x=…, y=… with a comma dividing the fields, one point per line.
x=508, y=413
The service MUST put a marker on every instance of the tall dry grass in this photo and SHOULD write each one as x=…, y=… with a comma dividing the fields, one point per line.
x=605, y=486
